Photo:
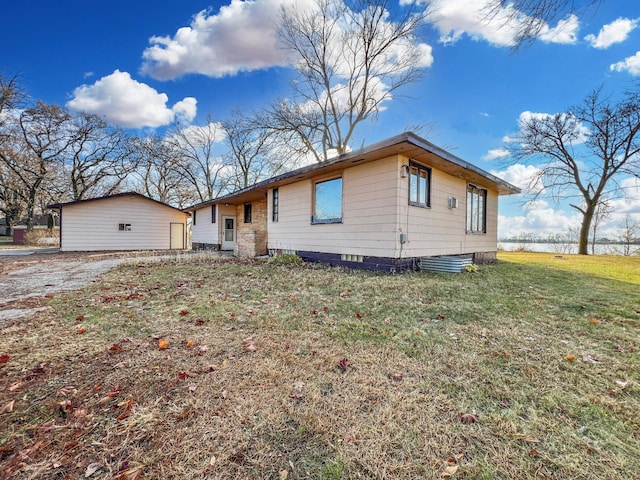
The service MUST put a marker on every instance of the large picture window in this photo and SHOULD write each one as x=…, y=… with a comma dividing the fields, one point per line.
x=327, y=201
x=419, y=185
x=476, y=209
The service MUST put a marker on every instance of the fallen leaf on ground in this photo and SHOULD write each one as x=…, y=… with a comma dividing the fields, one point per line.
x=190, y=343
x=163, y=344
x=183, y=415
x=184, y=312
x=8, y=407
x=343, y=364
x=16, y=386
x=116, y=347
x=571, y=358
x=594, y=320
x=4, y=358
x=468, y=418
x=80, y=331
x=127, y=409
x=621, y=384
x=449, y=470
x=249, y=345
x=130, y=474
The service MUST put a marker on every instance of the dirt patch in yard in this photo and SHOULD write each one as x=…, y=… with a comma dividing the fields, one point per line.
x=27, y=281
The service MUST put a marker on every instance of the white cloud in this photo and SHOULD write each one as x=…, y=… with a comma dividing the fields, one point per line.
x=629, y=204
x=524, y=177
x=240, y=37
x=496, y=153
x=454, y=18
x=565, y=32
x=185, y=110
x=126, y=102
x=615, y=32
x=630, y=64
x=538, y=218
x=542, y=220
x=577, y=136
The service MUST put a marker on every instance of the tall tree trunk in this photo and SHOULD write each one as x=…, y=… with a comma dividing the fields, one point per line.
x=585, y=228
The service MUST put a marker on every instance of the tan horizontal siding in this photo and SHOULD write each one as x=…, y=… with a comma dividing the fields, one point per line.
x=369, y=214
x=94, y=225
x=440, y=230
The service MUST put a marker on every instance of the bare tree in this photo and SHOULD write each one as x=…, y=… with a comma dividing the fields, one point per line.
x=252, y=151
x=198, y=160
x=350, y=60
x=157, y=174
x=12, y=97
x=630, y=236
x=531, y=16
x=12, y=203
x=33, y=150
x=99, y=157
x=583, y=153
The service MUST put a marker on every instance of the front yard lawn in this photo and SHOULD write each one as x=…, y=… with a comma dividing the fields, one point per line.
x=190, y=369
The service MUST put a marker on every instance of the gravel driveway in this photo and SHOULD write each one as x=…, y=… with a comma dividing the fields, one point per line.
x=25, y=280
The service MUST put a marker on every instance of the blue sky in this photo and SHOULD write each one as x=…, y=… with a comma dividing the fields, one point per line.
x=144, y=64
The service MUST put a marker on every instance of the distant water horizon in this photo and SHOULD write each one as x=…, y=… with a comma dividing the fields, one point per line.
x=565, y=248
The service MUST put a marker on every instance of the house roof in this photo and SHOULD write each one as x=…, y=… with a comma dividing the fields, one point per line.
x=408, y=144
x=58, y=206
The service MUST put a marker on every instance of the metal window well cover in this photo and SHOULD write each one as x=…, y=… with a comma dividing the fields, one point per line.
x=444, y=264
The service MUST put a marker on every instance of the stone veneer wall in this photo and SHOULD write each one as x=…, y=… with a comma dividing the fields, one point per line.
x=251, y=238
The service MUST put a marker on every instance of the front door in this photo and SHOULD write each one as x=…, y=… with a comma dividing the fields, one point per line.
x=176, y=238
x=229, y=233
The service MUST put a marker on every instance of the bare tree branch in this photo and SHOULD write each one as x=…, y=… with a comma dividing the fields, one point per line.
x=584, y=151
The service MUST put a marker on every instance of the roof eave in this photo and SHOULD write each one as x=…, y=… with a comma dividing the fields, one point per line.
x=503, y=188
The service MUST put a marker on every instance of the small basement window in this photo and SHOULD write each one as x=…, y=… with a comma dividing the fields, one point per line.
x=124, y=227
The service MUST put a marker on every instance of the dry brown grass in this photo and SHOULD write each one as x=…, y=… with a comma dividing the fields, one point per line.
x=248, y=386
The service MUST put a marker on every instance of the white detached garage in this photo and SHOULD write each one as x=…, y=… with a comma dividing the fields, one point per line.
x=124, y=221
